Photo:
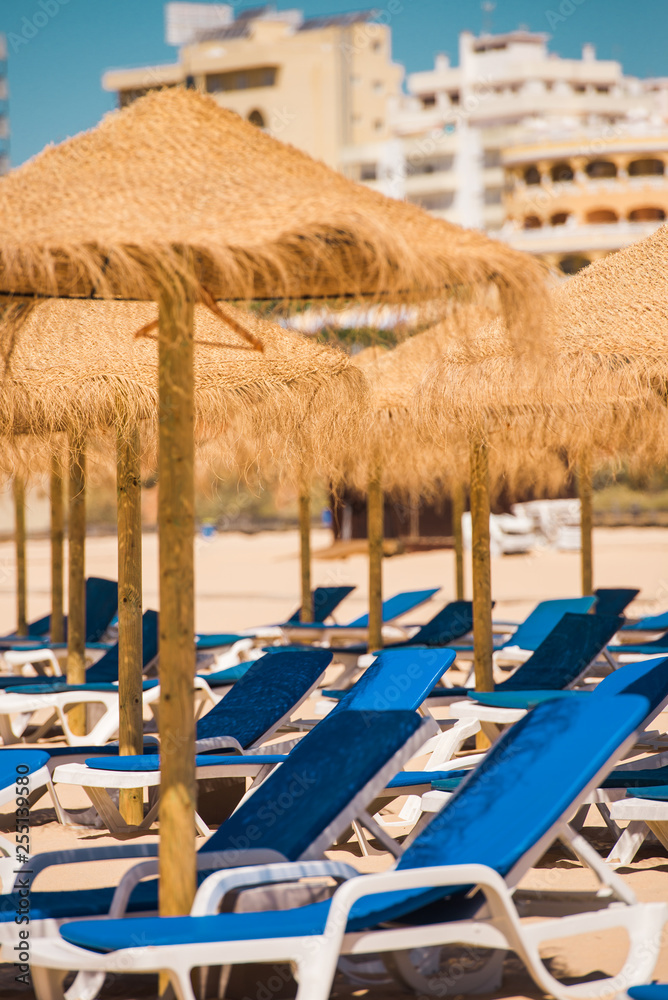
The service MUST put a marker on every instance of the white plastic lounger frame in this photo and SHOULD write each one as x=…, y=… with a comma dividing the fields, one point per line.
x=314, y=957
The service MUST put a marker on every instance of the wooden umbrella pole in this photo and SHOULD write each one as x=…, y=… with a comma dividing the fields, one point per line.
x=586, y=514
x=306, y=614
x=457, y=496
x=481, y=566
x=20, y=539
x=57, y=630
x=76, y=612
x=375, y=538
x=176, y=525
x=131, y=728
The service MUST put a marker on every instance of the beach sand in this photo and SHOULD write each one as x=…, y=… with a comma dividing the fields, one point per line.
x=245, y=580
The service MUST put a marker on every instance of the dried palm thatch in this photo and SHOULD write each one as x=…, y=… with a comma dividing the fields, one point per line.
x=78, y=366
x=577, y=397
x=174, y=188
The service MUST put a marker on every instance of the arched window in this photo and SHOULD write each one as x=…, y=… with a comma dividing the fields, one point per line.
x=647, y=215
x=532, y=222
x=559, y=219
x=561, y=172
x=646, y=168
x=601, y=168
x=256, y=118
x=532, y=175
x=573, y=263
x=601, y=215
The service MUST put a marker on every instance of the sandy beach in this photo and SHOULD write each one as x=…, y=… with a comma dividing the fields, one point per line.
x=245, y=580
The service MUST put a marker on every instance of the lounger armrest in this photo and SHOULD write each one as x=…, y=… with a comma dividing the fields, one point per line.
x=218, y=743
x=492, y=884
x=24, y=658
x=203, y=860
x=48, y=859
x=213, y=890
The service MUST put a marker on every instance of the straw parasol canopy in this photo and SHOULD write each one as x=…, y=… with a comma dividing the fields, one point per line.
x=176, y=188
x=79, y=366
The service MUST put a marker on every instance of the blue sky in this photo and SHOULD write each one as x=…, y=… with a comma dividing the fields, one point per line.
x=58, y=49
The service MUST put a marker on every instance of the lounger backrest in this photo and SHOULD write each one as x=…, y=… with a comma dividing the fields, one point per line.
x=266, y=694
x=333, y=772
x=452, y=622
x=398, y=605
x=613, y=600
x=398, y=678
x=565, y=654
x=325, y=601
x=101, y=606
x=653, y=623
x=544, y=617
x=529, y=779
x=105, y=670
x=648, y=678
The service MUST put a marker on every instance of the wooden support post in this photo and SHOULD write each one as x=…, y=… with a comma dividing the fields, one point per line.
x=131, y=728
x=457, y=497
x=586, y=512
x=57, y=630
x=176, y=525
x=481, y=566
x=76, y=612
x=20, y=540
x=306, y=613
x=375, y=538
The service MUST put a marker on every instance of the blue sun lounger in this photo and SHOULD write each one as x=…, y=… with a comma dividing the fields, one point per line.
x=496, y=827
x=399, y=679
x=535, y=628
x=393, y=607
x=330, y=778
x=325, y=601
x=101, y=608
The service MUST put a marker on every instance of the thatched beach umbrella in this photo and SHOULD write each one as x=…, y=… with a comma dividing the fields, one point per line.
x=574, y=398
x=80, y=366
x=176, y=201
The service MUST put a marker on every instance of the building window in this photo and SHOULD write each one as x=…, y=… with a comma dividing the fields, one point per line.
x=646, y=168
x=492, y=158
x=429, y=101
x=532, y=222
x=493, y=196
x=559, y=219
x=604, y=89
x=573, y=263
x=378, y=87
x=256, y=118
x=579, y=88
x=379, y=125
x=368, y=172
x=532, y=175
x=241, y=79
x=438, y=201
x=601, y=168
x=647, y=215
x=418, y=164
x=561, y=172
x=126, y=97
x=601, y=216
x=454, y=97
x=376, y=46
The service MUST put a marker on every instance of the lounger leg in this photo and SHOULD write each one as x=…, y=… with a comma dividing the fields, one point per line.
x=660, y=831
x=47, y=983
x=86, y=986
x=315, y=973
x=628, y=844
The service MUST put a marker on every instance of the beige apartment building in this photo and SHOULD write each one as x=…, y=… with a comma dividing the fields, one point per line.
x=322, y=84
x=565, y=158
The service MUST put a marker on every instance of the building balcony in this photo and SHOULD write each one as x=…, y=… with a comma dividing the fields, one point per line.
x=442, y=180
x=578, y=239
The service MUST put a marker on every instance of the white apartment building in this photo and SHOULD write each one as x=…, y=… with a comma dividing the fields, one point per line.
x=565, y=158
x=4, y=114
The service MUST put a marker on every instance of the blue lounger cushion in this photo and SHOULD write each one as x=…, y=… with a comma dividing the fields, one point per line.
x=325, y=771
x=652, y=991
x=11, y=759
x=213, y=640
x=548, y=758
x=659, y=793
x=151, y=762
